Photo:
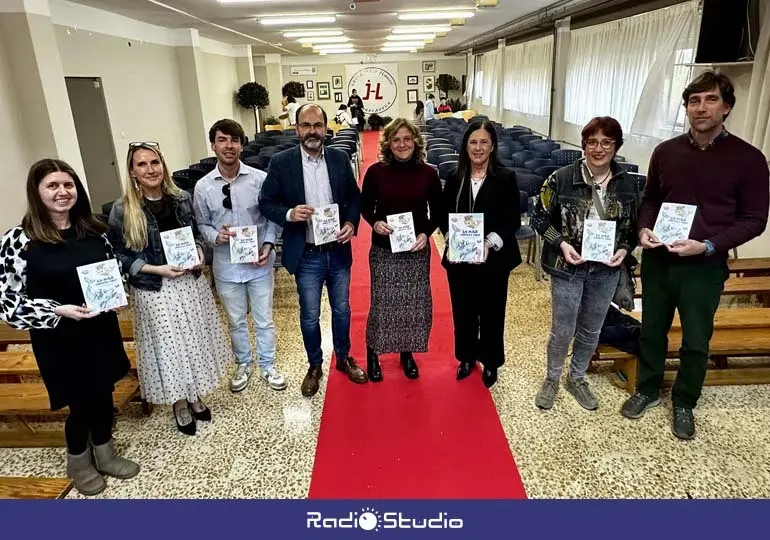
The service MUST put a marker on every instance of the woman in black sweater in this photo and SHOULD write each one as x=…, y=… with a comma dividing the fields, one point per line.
x=479, y=291
x=401, y=312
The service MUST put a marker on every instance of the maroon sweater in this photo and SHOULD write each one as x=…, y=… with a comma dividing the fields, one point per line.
x=397, y=188
x=728, y=182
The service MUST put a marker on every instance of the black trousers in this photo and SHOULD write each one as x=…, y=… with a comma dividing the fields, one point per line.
x=92, y=416
x=479, y=295
x=694, y=289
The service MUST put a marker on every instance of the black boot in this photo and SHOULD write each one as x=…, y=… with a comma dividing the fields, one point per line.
x=409, y=365
x=373, y=365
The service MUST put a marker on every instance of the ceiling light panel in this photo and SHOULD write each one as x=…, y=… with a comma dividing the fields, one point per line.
x=287, y=20
x=409, y=37
x=422, y=28
x=329, y=46
x=434, y=15
x=311, y=33
x=339, y=39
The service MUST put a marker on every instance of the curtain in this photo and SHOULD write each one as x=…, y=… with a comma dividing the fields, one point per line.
x=758, y=107
x=470, y=70
x=527, y=83
x=486, y=82
x=610, y=65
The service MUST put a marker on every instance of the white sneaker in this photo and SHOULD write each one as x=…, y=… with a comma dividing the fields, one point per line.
x=274, y=378
x=241, y=377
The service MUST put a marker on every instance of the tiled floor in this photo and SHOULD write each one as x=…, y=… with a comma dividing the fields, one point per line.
x=262, y=443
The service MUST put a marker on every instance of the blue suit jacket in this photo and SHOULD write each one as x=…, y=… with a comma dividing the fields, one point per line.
x=284, y=188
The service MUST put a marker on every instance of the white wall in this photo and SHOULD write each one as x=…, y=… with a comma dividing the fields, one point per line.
x=14, y=152
x=141, y=88
x=221, y=84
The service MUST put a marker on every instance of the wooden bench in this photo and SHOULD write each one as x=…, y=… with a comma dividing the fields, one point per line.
x=34, y=488
x=22, y=363
x=759, y=266
x=12, y=336
x=759, y=285
x=738, y=332
x=19, y=401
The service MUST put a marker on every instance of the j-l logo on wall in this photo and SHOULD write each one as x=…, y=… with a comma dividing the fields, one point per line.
x=376, y=87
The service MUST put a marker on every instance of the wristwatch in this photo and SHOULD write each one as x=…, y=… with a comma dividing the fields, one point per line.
x=710, y=250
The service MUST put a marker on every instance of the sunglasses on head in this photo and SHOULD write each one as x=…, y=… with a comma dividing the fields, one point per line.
x=151, y=144
x=227, y=202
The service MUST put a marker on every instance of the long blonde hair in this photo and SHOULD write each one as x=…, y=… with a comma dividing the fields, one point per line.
x=134, y=219
x=386, y=154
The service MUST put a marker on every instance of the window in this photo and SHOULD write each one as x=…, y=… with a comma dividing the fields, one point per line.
x=527, y=83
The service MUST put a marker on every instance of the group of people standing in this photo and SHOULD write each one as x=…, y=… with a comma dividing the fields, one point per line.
x=181, y=344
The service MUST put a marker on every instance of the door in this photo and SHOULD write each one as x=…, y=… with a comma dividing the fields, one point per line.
x=92, y=124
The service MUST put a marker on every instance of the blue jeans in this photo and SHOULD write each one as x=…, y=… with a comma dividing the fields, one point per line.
x=579, y=303
x=259, y=295
x=314, y=269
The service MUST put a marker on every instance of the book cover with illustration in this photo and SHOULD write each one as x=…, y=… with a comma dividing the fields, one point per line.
x=674, y=222
x=102, y=286
x=179, y=247
x=466, y=238
x=403, y=236
x=326, y=224
x=598, y=240
x=244, y=246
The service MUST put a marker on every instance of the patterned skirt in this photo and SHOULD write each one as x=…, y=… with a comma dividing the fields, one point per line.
x=180, y=340
x=401, y=308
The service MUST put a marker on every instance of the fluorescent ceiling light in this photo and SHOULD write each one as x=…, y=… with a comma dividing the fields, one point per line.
x=411, y=44
x=291, y=20
x=330, y=46
x=417, y=29
x=432, y=15
x=339, y=39
x=311, y=33
x=398, y=49
x=409, y=37
x=337, y=51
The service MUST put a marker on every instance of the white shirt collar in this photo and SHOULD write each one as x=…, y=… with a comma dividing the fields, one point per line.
x=218, y=174
x=307, y=158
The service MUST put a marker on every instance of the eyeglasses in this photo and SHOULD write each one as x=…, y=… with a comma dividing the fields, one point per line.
x=607, y=144
x=151, y=144
x=227, y=202
x=316, y=126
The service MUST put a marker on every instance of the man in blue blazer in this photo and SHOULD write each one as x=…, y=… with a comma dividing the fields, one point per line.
x=299, y=181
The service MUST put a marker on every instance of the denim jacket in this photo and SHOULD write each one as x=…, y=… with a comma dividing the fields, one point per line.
x=133, y=261
x=564, y=204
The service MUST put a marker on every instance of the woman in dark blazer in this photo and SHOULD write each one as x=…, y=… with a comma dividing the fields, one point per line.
x=479, y=291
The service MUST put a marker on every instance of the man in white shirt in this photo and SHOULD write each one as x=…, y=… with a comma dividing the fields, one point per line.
x=430, y=108
x=224, y=198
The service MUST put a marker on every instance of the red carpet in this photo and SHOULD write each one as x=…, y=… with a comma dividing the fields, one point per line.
x=432, y=437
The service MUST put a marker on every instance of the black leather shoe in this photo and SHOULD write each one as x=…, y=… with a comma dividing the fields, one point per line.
x=201, y=416
x=190, y=427
x=489, y=376
x=373, y=368
x=409, y=366
x=464, y=369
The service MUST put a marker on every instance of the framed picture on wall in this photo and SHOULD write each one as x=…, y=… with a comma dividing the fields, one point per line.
x=429, y=66
x=323, y=90
x=338, y=97
x=411, y=95
x=429, y=83
x=337, y=82
x=310, y=95
x=309, y=85
x=412, y=79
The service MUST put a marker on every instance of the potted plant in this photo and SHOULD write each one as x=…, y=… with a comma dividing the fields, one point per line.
x=294, y=89
x=272, y=124
x=253, y=96
x=447, y=83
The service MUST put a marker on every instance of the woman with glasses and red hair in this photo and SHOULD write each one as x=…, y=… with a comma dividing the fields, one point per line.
x=593, y=188
x=181, y=344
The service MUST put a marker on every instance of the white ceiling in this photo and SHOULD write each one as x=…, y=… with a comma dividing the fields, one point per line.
x=367, y=26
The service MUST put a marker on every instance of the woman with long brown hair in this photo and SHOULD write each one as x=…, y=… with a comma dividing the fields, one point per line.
x=181, y=344
x=401, y=312
x=79, y=353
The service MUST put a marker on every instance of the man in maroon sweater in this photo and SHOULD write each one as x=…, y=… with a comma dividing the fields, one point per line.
x=726, y=179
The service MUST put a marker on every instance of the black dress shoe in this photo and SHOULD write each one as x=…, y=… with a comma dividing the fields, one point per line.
x=201, y=416
x=409, y=366
x=464, y=369
x=489, y=376
x=373, y=368
x=187, y=429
